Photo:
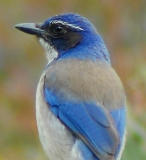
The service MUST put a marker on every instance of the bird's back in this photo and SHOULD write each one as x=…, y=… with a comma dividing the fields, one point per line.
x=87, y=80
x=75, y=80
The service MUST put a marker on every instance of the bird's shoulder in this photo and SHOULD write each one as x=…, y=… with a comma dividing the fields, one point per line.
x=88, y=80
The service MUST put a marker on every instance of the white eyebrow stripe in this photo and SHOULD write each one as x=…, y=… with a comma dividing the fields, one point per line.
x=68, y=24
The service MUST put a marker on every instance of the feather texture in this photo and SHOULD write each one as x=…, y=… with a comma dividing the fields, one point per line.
x=81, y=110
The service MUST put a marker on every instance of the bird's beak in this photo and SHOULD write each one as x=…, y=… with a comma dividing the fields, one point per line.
x=30, y=28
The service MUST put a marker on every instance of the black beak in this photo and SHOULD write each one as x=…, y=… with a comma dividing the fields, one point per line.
x=30, y=28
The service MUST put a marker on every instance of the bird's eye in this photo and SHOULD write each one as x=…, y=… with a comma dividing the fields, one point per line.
x=57, y=29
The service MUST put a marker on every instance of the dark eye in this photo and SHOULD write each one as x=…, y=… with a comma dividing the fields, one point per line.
x=57, y=29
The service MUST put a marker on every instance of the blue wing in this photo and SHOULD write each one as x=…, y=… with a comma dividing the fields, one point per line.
x=91, y=123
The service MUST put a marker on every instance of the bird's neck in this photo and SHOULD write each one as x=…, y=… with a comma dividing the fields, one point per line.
x=90, y=48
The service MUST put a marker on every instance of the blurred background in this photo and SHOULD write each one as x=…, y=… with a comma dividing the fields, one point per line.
x=122, y=24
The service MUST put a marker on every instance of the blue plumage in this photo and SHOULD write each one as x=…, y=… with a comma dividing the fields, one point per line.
x=87, y=121
x=91, y=41
x=80, y=104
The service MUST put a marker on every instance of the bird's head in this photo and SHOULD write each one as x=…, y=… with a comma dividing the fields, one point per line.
x=66, y=33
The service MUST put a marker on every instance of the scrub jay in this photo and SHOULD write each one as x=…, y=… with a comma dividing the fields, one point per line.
x=80, y=100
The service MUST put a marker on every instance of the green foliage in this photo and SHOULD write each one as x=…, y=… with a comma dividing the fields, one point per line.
x=134, y=148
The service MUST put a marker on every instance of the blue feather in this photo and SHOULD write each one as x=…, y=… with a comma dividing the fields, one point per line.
x=91, y=41
x=87, y=121
x=119, y=116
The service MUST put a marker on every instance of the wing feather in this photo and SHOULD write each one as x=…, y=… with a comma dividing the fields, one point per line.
x=86, y=120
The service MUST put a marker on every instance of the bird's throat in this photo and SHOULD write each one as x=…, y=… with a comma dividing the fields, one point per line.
x=51, y=53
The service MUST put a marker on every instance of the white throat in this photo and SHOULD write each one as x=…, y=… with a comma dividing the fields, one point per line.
x=51, y=53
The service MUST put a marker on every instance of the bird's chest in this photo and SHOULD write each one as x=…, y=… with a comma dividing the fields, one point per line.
x=57, y=141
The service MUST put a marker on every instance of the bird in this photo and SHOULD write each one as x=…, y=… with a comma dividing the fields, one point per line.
x=80, y=99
